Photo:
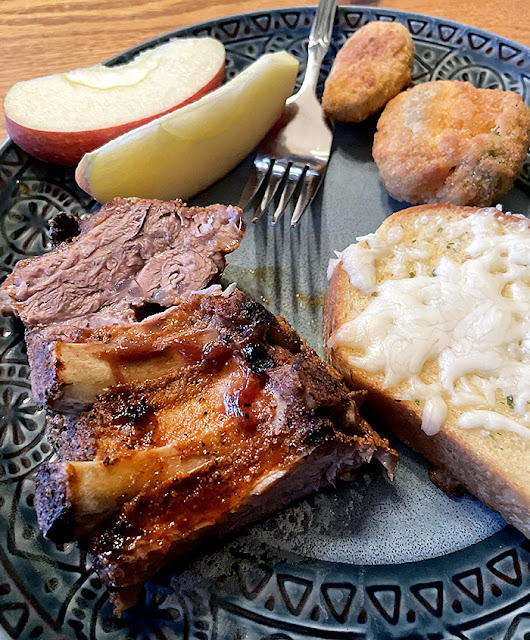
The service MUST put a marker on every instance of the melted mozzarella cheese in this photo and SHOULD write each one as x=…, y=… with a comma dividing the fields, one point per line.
x=434, y=414
x=359, y=263
x=492, y=421
x=468, y=319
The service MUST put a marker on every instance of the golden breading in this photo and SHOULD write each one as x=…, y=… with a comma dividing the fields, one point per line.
x=447, y=141
x=371, y=68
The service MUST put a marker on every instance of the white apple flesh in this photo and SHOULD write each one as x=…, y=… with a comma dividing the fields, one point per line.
x=182, y=153
x=61, y=117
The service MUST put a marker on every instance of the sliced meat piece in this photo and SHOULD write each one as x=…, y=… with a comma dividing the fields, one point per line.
x=131, y=253
x=251, y=421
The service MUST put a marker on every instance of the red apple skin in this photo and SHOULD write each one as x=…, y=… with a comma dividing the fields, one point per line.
x=68, y=147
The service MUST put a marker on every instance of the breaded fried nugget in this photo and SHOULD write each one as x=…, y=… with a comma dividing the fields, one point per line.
x=447, y=141
x=371, y=68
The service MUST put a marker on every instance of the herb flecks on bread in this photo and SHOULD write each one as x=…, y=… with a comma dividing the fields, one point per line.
x=431, y=315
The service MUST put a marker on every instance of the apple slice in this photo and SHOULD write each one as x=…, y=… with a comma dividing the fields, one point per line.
x=182, y=153
x=61, y=117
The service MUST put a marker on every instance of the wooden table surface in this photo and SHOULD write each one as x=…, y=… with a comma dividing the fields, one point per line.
x=39, y=37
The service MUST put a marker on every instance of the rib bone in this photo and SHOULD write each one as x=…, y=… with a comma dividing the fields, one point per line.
x=76, y=498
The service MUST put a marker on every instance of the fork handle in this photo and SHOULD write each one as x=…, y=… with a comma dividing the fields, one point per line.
x=319, y=40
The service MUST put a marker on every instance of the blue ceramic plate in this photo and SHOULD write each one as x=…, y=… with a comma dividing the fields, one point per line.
x=366, y=560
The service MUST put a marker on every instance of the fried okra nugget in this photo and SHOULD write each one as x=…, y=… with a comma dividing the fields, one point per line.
x=372, y=67
x=447, y=141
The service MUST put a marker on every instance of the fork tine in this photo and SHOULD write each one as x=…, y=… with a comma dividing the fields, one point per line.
x=311, y=182
x=255, y=180
x=275, y=177
x=294, y=175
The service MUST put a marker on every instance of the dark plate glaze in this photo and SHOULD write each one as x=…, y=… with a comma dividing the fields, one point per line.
x=367, y=560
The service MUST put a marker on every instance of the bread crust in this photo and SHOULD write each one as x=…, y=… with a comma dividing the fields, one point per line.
x=465, y=455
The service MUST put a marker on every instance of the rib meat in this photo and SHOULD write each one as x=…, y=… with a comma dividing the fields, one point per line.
x=250, y=420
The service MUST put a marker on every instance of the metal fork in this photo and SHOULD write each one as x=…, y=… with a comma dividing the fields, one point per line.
x=296, y=150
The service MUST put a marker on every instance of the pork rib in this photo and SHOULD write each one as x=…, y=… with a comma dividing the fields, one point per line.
x=251, y=420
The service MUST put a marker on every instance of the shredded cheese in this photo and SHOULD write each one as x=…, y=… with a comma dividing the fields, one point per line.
x=468, y=319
